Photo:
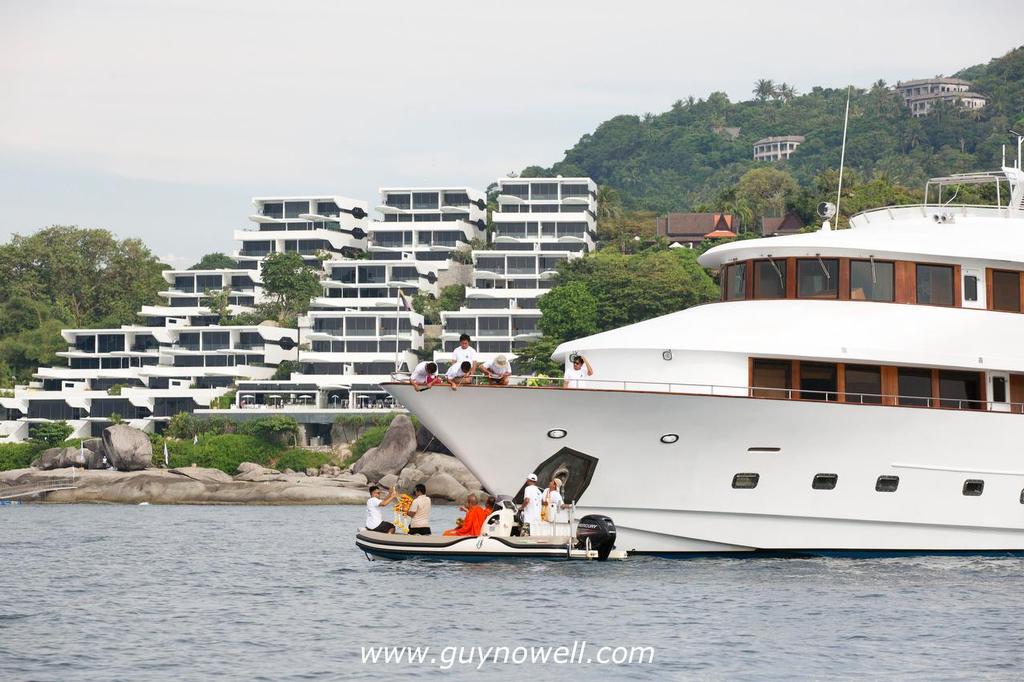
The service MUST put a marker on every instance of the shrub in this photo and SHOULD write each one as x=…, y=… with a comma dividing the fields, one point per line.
x=116, y=418
x=223, y=451
x=275, y=429
x=182, y=425
x=223, y=402
x=298, y=459
x=116, y=389
x=17, y=455
x=371, y=438
x=51, y=434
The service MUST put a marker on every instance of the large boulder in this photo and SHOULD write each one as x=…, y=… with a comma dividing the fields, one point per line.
x=393, y=453
x=204, y=474
x=389, y=481
x=445, y=486
x=427, y=441
x=353, y=480
x=431, y=463
x=250, y=471
x=409, y=477
x=58, y=458
x=127, y=448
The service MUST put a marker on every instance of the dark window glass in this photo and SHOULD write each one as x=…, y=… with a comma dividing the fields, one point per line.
x=999, y=389
x=915, y=387
x=735, y=282
x=424, y=200
x=770, y=279
x=544, y=191
x=825, y=481
x=974, y=487
x=818, y=278
x=970, y=288
x=863, y=384
x=887, y=484
x=521, y=191
x=745, y=481
x=771, y=379
x=1006, y=291
x=398, y=201
x=818, y=381
x=961, y=390
x=935, y=284
x=292, y=209
x=273, y=210
x=871, y=281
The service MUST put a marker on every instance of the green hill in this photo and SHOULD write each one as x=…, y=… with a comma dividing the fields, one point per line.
x=685, y=157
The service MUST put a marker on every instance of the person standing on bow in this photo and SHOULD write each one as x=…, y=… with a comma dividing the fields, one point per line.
x=576, y=375
x=464, y=353
x=532, y=501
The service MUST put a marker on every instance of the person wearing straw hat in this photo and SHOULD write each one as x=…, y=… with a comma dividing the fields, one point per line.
x=497, y=371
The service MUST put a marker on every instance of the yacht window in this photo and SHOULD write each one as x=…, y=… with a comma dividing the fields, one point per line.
x=871, y=281
x=915, y=387
x=745, y=481
x=817, y=278
x=736, y=282
x=887, y=484
x=1006, y=291
x=999, y=389
x=770, y=279
x=961, y=390
x=817, y=381
x=825, y=481
x=863, y=384
x=771, y=379
x=974, y=487
x=970, y=288
x=935, y=284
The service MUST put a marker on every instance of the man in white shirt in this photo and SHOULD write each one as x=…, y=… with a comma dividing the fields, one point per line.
x=532, y=500
x=497, y=371
x=374, y=520
x=459, y=374
x=424, y=376
x=576, y=375
x=419, y=512
x=464, y=353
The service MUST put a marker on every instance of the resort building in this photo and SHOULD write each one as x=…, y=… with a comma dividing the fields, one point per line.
x=791, y=223
x=776, y=148
x=429, y=223
x=921, y=95
x=690, y=229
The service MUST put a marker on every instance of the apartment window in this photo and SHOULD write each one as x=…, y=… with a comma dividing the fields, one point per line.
x=493, y=326
x=961, y=390
x=818, y=381
x=424, y=200
x=544, y=191
x=401, y=201
x=327, y=208
x=216, y=340
x=769, y=279
x=293, y=209
x=575, y=191
x=456, y=199
x=974, y=487
x=825, y=481
x=427, y=218
x=887, y=484
x=360, y=326
x=817, y=278
x=1006, y=291
x=735, y=282
x=871, y=280
x=110, y=343
x=186, y=284
x=372, y=274
x=745, y=481
x=273, y=210
x=771, y=378
x=520, y=191
x=915, y=386
x=863, y=384
x=935, y=284
x=999, y=389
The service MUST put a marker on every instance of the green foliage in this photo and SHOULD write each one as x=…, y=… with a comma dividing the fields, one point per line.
x=182, y=425
x=370, y=438
x=272, y=429
x=767, y=192
x=219, y=303
x=116, y=418
x=215, y=261
x=298, y=459
x=452, y=297
x=290, y=283
x=224, y=402
x=17, y=455
x=224, y=452
x=116, y=389
x=50, y=434
x=535, y=358
x=284, y=370
x=569, y=311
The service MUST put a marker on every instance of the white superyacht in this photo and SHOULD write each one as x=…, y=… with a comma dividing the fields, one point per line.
x=854, y=391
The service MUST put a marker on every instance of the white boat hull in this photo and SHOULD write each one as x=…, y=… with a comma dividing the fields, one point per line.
x=466, y=548
x=678, y=497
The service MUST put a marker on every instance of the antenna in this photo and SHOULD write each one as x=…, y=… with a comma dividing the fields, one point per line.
x=842, y=155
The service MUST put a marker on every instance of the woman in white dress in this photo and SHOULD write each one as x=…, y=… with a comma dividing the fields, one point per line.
x=553, y=502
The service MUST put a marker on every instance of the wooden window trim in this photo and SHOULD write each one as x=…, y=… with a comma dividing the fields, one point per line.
x=783, y=264
x=990, y=289
x=839, y=278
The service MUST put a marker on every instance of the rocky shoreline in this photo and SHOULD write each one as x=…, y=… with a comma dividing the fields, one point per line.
x=397, y=461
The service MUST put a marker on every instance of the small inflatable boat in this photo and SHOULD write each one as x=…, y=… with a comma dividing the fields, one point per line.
x=592, y=538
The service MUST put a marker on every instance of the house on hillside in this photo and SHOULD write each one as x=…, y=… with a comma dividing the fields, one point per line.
x=776, y=148
x=791, y=223
x=690, y=229
x=921, y=95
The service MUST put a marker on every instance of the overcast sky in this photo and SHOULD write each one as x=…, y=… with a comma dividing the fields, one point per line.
x=161, y=119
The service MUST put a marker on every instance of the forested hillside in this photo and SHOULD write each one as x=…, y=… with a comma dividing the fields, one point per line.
x=685, y=157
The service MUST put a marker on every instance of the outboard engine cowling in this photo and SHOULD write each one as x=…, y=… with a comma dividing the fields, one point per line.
x=600, y=530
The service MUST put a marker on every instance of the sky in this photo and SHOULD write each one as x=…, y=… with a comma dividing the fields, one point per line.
x=162, y=119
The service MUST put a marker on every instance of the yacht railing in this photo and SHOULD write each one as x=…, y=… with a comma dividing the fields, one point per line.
x=938, y=213
x=759, y=392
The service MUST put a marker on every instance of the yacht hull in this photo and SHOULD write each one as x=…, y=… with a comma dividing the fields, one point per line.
x=678, y=497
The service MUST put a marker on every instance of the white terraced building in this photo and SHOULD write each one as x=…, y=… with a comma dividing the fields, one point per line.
x=539, y=223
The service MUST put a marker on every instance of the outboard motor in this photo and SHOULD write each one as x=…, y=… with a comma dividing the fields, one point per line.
x=600, y=530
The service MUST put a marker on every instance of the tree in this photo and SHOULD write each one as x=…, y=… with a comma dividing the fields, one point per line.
x=51, y=434
x=182, y=426
x=290, y=284
x=215, y=261
x=219, y=303
x=569, y=312
x=786, y=93
x=452, y=297
x=767, y=191
x=764, y=89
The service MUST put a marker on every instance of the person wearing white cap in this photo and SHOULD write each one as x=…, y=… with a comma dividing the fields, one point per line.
x=497, y=371
x=532, y=500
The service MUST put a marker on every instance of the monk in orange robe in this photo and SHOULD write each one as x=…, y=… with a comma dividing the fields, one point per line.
x=473, y=521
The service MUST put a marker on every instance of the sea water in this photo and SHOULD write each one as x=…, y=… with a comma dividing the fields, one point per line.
x=274, y=593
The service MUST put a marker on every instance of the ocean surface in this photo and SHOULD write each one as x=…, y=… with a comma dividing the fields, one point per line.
x=281, y=593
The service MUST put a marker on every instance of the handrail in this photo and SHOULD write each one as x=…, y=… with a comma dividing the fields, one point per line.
x=964, y=210
x=757, y=392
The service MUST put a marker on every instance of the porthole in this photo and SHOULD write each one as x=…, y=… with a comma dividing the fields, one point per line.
x=669, y=438
x=557, y=433
x=666, y=355
x=745, y=481
x=974, y=487
x=825, y=481
x=887, y=484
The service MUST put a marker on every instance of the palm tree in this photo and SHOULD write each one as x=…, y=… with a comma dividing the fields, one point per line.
x=609, y=205
x=786, y=92
x=764, y=89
